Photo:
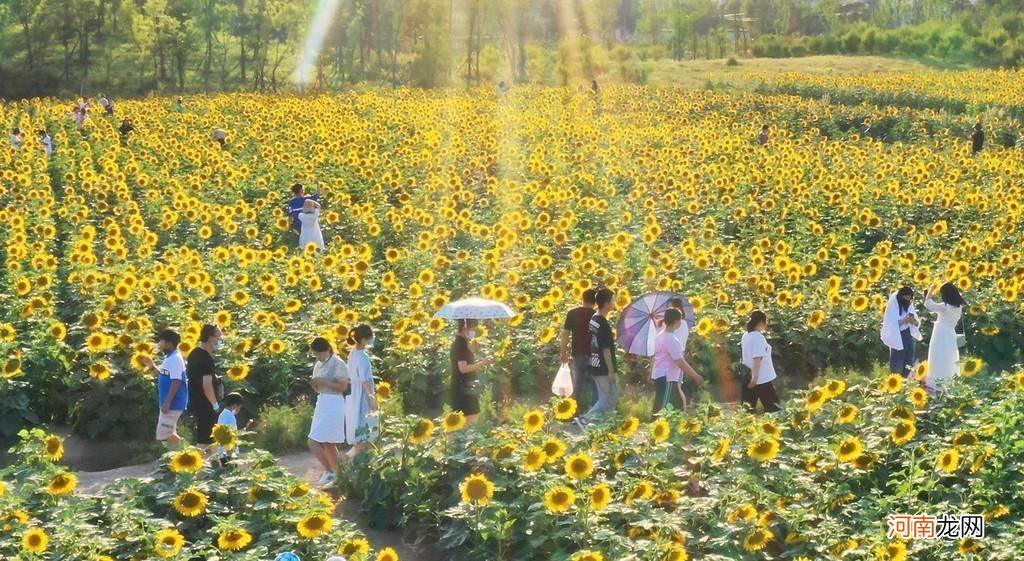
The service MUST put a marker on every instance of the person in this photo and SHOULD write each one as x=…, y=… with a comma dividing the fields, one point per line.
x=331, y=382
x=575, y=348
x=80, y=113
x=297, y=204
x=943, y=353
x=669, y=364
x=310, y=220
x=125, y=130
x=229, y=417
x=179, y=106
x=46, y=140
x=502, y=87
x=360, y=422
x=220, y=136
x=16, y=141
x=596, y=89
x=464, y=368
x=762, y=138
x=172, y=386
x=977, y=138
x=205, y=387
x=602, y=357
x=688, y=384
x=900, y=331
x=107, y=104
x=757, y=356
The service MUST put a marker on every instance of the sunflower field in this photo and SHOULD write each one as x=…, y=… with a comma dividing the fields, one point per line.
x=529, y=197
x=814, y=482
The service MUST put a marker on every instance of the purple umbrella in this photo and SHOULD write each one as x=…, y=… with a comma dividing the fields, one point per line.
x=642, y=319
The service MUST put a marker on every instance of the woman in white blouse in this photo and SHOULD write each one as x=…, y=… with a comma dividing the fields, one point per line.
x=943, y=354
x=361, y=404
x=900, y=331
x=757, y=356
x=331, y=381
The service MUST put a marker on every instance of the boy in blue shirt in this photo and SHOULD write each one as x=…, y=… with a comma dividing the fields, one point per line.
x=296, y=204
x=172, y=386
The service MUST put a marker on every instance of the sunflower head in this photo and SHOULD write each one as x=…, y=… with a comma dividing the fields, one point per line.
x=190, y=502
x=629, y=426
x=600, y=497
x=533, y=421
x=225, y=436
x=187, y=461
x=579, y=466
x=35, y=540
x=948, y=461
x=234, y=539
x=53, y=448
x=849, y=449
x=314, y=525
x=565, y=409
x=169, y=543
x=421, y=431
x=559, y=499
x=354, y=546
x=764, y=449
x=588, y=556
x=454, y=421
x=62, y=484
x=477, y=490
x=660, y=430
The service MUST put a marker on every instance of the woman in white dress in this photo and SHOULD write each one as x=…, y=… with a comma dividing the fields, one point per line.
x=943, y=354
x=310, y=220
x=360, y=405
x=331, y=381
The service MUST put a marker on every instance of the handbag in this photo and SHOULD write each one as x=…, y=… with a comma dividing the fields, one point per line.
x=961, y=336
x=562, y=386
x=744, y=373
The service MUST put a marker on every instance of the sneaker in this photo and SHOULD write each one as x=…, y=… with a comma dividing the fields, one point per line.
x=326, y=478
x=331, y=478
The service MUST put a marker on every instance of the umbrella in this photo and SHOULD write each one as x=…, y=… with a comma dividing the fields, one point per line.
x=640, y=321
x=475, y=308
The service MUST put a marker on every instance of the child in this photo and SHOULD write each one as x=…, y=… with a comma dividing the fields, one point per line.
x=310, y=232
x=228, y=416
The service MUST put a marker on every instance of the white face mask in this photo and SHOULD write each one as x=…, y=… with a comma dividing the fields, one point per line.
x=219, y=345
x=371, y=341
x=471, y=334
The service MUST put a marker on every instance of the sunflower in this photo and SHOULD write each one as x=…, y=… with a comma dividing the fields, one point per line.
x=675, y=552
x=764, y=449
x=891, y=384
x=971, y=367
x=816, y=399
x=314, y=525
x=745, y=512
x=849, y=449
x=660, y=430
x=965, y=438
x=62, y=484
x=35, y=540
x=421, y=431
x=757, y=540
x=949, y=460
x=835, y=388
x=559, y=499
x=553, y=449
x=354, y=546
x=968, y=545
x=847, y=414
x=187, y=461
x=921, y=371
x=234, y=539
x=225, y=436
x=190, y=502
x=722, y=451
x=169, y=543
x=383, y=391
x=643, y=491
x=579, y=466
x=534, y=459
x=587, y=556
x=629, y=426
x=387, y=554
x=477, y=489
x=600, y=497
x=565, y=409
x=454, y=421
x=903, y=432
x=238, y=372
x=533, y=421
x=53, y=448
x=896, y=551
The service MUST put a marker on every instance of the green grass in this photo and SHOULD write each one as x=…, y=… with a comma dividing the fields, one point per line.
x=697, y=73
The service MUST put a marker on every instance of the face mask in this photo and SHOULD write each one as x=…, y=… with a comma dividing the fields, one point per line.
x=471, y=333
x=371, y=342
x=219, y=345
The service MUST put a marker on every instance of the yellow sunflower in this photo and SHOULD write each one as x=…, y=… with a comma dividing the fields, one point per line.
x=849, y=449
x=477, y=489
x=588, y=556
x=53, y=448
x=553, y=449
x=847, y=414
x=722, y=451
x=387, y=554
x=187, y=461
x=190, y=502
x=891, y=384
x=314, y=525
x=757, y=540
x=565, y=409
x=675, y=552
x=579, y=466
x=383, y=391
x=169, y=543
x=62, y=484
x=660, y=430
x=454, y=421
x=533, y=421
x=764, y=449
x=600, y=497
x=534, y=459
x=225, y=436
x=234, y=539
x=948, y=461
x=903, y=432
x=643, y=491
x=971, y=367
x=35, y=540
x=421, y=431
x=629, y=426
x=354, y=546
x=559, y=499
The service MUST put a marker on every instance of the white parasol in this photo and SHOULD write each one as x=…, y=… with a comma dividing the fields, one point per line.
x=475, y=308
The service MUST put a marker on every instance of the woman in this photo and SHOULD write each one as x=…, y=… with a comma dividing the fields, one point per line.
x=310, y=232
x=943, y=354
x=330, y=380
x=360, y=424
x=464, y=369
x=757, y=356
x=900, y=331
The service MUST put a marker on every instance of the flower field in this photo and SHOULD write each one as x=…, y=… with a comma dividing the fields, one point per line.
x=429, y=196
x=528, y=198
x=815, y=482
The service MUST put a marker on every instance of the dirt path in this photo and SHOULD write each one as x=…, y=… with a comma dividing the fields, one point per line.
x=301, y=465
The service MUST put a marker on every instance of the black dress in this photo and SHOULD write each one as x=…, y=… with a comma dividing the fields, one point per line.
x=463, y=388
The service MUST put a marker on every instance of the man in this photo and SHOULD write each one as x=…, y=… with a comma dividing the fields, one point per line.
x=602, y=356
x=669, y=364
x=126, y=129
x=977, y=139
x=762, y=138
x=296, y=205
x=205, y=388
x=172, y=386
x=47, y=141
x=576, y=329
x=107, y=104
x=16, y=141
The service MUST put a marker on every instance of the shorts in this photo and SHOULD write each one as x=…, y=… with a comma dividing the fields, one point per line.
x=167, y=424
x=468, y=403
x=204, y=419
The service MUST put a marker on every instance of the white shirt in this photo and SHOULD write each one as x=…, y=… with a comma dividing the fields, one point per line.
x=334, y=370
x=755, y=345
x=48, y=145
x=227, y=417
x=683, y=333
x=310, y=232
x=667, y=351
x=16, y=141
x=174, y=366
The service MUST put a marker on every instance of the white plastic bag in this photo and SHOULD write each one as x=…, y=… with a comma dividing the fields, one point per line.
x=562, y=386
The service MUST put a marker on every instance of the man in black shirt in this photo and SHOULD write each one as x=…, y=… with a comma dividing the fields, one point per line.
x=977, y=139
x=575, y=349
x=125, y=130
x=205, y=388
x=602, y=357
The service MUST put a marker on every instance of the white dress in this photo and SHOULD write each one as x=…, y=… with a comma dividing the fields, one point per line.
x=943, y=354
x=310, y=232
x=329, y=415
x=360, y=425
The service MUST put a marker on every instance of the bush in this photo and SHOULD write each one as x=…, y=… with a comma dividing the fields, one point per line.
x=283, y=428
x=732, y=61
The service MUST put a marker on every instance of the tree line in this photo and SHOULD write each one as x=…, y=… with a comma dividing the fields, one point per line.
x=136, y=47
